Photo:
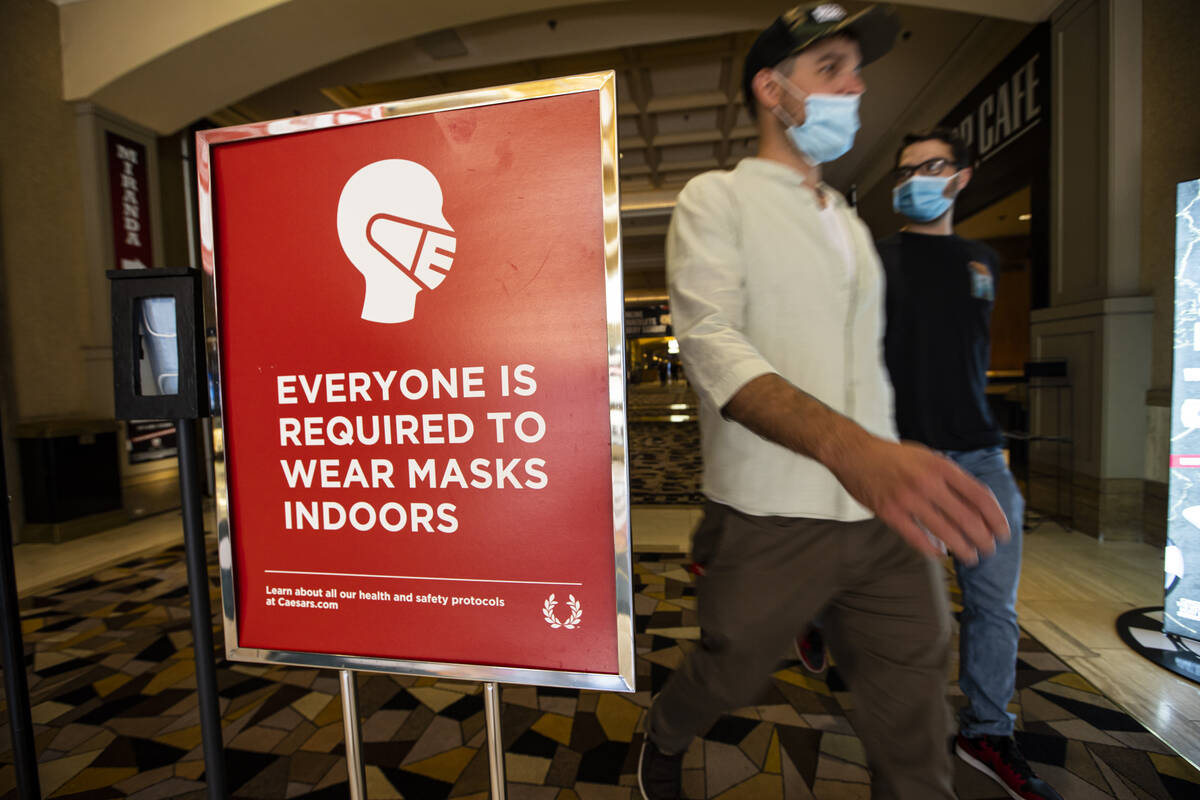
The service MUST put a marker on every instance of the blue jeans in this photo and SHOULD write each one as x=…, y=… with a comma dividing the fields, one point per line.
x=988, y=630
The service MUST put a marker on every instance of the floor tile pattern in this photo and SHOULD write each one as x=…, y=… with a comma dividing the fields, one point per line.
x=114, y=707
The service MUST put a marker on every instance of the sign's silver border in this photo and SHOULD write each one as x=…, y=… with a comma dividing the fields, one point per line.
x=604, y=83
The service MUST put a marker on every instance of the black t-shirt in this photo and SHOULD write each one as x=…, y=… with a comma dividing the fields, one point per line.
x=940, y=292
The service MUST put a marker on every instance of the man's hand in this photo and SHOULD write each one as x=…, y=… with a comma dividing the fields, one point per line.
x=923, y=496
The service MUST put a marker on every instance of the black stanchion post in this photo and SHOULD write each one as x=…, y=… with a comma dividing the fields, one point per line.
x=163, y=306
x=197, y=572
x=16, y=682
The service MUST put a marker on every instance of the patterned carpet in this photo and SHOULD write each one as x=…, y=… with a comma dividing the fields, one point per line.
x=115, y=716
x=664, y=463
x=664, y=445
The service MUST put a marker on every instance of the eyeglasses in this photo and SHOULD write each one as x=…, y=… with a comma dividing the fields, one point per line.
x=933, y=166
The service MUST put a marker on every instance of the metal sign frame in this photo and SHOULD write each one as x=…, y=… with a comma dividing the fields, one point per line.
x=604, y=84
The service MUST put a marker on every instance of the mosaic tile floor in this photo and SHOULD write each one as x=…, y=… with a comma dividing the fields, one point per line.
x=115, y=716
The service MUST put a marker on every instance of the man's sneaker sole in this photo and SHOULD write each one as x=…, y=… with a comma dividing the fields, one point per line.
x=813, y=668
x=982, y=767
x=642, y=755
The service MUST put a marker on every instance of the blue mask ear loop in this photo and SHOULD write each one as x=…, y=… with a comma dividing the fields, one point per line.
x=954, y=197
x=957, y=190
x=786, y=118
x=795, y=91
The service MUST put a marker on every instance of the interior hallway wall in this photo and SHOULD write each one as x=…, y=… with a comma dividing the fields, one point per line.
x=41, y=212
x=41, y=232
x=1170, y=154
x=1099, y=317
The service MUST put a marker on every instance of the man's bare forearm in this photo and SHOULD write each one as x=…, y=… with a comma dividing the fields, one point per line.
x=913, y=490
x=778, y=411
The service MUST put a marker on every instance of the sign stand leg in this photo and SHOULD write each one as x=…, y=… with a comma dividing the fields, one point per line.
x=197, y=572
x=354, y=763
x=16, y=681
x=491, y=704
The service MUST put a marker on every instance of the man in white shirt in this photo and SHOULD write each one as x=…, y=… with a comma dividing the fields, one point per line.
x=814, y=507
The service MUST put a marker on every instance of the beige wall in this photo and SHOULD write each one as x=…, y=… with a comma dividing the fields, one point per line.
x=1099, y=319
x=41, y=233
x=41, y=240
x=55, y=242
x=1171, y=152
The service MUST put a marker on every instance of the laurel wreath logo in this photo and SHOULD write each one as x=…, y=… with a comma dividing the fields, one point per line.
x=572, y=622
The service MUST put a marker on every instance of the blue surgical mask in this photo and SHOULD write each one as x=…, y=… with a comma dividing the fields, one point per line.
x=830, y=122
x=922, y=198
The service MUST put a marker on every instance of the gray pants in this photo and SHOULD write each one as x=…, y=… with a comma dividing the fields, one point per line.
x=885, y=618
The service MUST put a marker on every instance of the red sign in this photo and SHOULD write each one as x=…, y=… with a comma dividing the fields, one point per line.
x=129, y=203
x=417, y=388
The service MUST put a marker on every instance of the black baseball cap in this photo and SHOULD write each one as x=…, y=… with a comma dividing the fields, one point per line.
x=875, y=29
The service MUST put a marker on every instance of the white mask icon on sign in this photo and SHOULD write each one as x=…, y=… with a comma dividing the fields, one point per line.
x=390, y=223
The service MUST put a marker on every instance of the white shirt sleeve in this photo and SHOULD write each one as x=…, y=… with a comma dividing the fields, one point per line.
x=706, y=281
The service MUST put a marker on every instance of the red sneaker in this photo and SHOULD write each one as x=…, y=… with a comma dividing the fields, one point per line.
x=810, y=649
x=999, y=758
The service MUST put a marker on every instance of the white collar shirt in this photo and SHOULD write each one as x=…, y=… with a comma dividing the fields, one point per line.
x=763, y=280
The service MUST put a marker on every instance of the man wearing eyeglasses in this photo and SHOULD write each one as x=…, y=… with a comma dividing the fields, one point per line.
x=940, y=293
x=813, y=506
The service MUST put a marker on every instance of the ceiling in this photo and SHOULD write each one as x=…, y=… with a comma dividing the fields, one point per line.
x=163, y=65
x=680, y=106
x=680, y=109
